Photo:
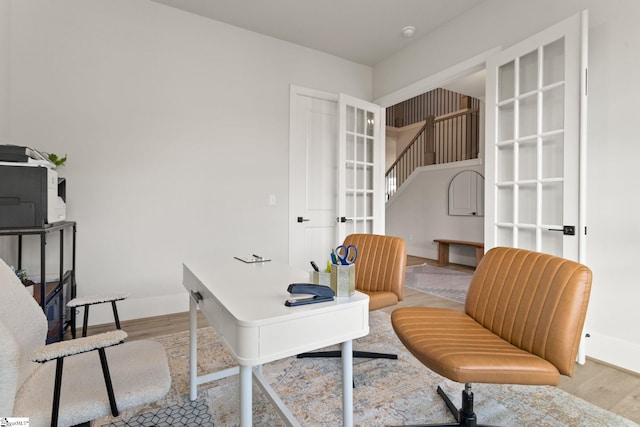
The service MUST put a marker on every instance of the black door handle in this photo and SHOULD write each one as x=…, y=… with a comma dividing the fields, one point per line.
x=343, y=219
x=567, y=230
x=301, y=219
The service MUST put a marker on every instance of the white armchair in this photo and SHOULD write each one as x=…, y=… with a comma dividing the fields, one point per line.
x=32, y=381
x=88, y=301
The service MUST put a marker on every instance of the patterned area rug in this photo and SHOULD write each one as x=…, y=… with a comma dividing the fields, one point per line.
x=441, y=282
x=387, y=392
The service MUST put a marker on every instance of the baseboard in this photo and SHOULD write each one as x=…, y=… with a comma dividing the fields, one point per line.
x=614, y=351
x=137, y=308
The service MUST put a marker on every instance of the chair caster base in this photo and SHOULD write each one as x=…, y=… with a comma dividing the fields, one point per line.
x=465, y=417
x=338, y=353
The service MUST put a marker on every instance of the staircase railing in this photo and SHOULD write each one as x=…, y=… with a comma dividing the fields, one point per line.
x=448, y=138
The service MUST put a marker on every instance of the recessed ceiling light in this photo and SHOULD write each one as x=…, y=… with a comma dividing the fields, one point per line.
x=408, y=31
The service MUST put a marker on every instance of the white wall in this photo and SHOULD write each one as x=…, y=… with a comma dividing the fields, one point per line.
x=5, y=33
x=7, y=246
x=613, y=149
x=419, y=213
x=177, y=131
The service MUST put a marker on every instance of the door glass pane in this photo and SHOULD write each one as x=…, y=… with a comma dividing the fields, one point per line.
x=350, y=148
x=553, y=111
x=360, y=121
x=359, y=205
x=505, y=204
x=527, y=204
x=506, y=81
x=553, y=156
x=349, y=228
x=527, y=238
x=504, y=236
x=368, y=226
x=527, y=160
x=368, y=205
x=552, y=242
x=359, y=177
x=505, y=163
x=351, y=119
x=552, y=203
x=360, y=149
x=528, y=120
x=369, y=150
x=505, y=122
x=553, y=62
x=369, y=178
x=370, y=123
x=350, y=205
x=350, y=176
x=528, y=72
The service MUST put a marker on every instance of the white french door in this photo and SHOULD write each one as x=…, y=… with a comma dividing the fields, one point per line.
x=312, y=176
x=360, y=167
x=535, y=142
x=336, y=169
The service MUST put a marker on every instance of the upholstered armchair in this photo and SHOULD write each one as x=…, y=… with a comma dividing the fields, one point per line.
x=102, y=375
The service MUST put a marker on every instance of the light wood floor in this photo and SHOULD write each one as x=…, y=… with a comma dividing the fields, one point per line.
x=605, y=386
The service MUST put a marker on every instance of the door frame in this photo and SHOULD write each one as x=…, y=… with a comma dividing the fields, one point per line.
x=439, y=79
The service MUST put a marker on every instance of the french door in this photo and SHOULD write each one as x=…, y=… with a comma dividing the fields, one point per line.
x=336, y=173
x=535, y=142
x=360, y=167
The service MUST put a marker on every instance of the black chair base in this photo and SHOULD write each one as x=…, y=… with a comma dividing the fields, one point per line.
x=338, y=353
x=465, y=417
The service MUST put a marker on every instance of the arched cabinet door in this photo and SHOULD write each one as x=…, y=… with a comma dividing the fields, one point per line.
x=466, y=194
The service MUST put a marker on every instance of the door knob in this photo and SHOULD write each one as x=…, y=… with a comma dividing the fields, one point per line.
x=567, y=230
x=343, y=219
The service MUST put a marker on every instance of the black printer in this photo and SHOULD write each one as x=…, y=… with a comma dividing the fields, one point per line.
x=31, y=194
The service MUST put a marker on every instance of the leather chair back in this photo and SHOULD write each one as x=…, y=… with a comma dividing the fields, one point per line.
x=380, y=267
x=535, y=301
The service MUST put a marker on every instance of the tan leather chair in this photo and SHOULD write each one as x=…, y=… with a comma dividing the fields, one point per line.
x=522, y=324
x=380, y=268
x=380, y=272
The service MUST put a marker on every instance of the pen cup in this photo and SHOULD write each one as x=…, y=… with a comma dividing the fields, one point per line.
x=320, y=278
x=343, y=279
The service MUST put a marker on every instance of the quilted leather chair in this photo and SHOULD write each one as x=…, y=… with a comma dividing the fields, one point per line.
x=380, y=268
x=380, y=272
x=522, y=324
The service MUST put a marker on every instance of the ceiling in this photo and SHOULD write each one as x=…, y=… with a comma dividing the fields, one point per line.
x=363, y=31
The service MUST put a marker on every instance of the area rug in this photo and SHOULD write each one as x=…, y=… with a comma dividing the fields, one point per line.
x=441, y=282
x=387, y=392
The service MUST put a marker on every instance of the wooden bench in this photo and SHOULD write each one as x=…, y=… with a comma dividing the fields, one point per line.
x=443, y=249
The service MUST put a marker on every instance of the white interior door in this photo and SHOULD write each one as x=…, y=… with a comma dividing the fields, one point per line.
x=361, y=160
x=313, y=180
x=535, y=149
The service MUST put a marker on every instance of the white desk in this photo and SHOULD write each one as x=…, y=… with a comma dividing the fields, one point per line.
x=245, y=305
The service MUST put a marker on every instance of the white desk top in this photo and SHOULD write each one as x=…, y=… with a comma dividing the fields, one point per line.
x=255, y=293
x=245, y=304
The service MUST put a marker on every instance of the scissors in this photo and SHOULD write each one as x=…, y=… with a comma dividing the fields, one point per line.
x=347, y=254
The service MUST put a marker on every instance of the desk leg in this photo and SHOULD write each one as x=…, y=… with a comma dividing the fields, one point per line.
x=193, y=349
x=347, y=383
x=246, y=410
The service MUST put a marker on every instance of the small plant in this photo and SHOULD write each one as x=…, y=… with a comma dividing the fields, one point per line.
x=57, y=161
